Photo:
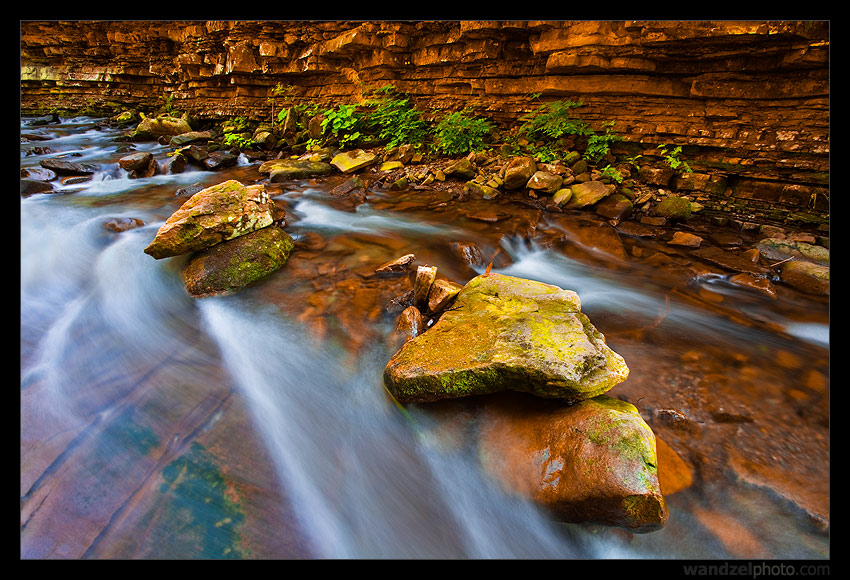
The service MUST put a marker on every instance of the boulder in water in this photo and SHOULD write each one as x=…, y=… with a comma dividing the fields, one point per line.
x=545, y=182
x=507, y=333
x=189, y=137
x=674, y=207
x=32, y=186
x=782, y=249
x=211, y=216
x=806, y=276
x=232, y=265
x=136, y=161
x=591, y=462
x=62, y=167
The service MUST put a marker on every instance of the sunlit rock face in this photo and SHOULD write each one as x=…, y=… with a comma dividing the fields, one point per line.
x=507, y=333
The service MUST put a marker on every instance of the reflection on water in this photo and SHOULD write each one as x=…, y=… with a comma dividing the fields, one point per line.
x=157, y=426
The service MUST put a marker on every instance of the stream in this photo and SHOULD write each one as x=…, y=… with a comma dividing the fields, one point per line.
x=256, y=425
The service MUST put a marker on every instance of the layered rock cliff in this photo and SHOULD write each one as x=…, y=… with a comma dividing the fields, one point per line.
x=748, y=101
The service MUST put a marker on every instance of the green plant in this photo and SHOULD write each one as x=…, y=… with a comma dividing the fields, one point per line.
x=598, y=146
x=344, y=123
x=285, y=93
x=671, y=157
x=551, y=121
x=237, y=133
x=167, y=106
x=396, y=120
x=611, y=173
x=461, y=132
x=545, y=152
x=633, y=160
x=236, y=140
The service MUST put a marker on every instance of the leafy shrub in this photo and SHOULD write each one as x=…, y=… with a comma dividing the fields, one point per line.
x=598, y=146
x=461, y=132
x=612, y=173
x=551, y=121
x=671, y=157
x=237, y=133
x=344, y=123
x=396, y=120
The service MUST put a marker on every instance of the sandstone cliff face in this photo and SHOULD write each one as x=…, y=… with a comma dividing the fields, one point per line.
x=748, y=101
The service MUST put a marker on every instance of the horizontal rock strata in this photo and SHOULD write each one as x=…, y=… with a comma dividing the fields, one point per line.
x=747, y=100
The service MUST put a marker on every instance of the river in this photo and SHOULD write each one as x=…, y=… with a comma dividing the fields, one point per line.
x=158, y=426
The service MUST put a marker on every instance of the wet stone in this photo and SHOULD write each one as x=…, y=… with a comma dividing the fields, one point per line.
x=591, y=462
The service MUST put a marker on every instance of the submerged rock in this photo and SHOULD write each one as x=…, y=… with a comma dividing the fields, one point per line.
x=213, y=215
x=507, y=333
x=231, y=265
x=591, y=462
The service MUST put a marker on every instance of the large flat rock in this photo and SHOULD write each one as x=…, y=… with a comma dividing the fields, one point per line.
x=507, y=333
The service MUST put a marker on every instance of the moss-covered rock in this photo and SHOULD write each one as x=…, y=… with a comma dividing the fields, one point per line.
x=591, y=462
x=507, y=333
x=285, y=169
x=782, y=249
x=588, y=192
x=674, y=207
x=151, y=127
x=211, y=216
x=229, y=266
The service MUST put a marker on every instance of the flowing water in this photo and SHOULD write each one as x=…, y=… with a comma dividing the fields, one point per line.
x=256, y=425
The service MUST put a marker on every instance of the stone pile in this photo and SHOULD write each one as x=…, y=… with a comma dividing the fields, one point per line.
x=230, y=232
x=581, y=454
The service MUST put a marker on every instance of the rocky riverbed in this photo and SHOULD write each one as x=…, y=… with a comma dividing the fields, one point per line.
x=725, y=382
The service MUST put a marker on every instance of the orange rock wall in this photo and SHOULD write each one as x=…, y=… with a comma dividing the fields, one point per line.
x=749, y=101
